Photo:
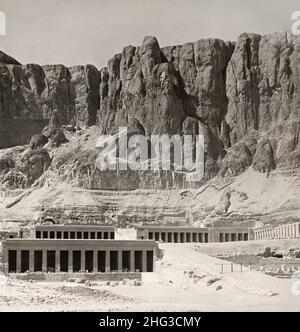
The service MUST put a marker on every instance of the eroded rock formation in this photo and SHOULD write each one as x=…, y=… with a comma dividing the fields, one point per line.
x=243, y=96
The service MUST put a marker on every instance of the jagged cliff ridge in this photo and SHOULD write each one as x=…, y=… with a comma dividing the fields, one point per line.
x=244, y=95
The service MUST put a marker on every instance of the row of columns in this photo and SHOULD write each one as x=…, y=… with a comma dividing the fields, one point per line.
x=287, y=231
x=45, y=265
x=180, y=236
x=40, y=234
x=231, y=237
x=183, y=237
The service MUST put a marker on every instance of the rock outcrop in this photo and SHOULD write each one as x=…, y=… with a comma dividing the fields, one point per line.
x=244, y=97
x=30, y=94
x=263, y=90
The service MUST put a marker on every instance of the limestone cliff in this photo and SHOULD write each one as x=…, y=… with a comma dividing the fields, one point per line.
x=244, y=96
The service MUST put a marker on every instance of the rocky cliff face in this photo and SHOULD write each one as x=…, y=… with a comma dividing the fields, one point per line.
x=243, y=96
x=30, y=94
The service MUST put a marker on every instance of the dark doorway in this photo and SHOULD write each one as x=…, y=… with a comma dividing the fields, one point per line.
x=175, y=237
x=138, y=261
x=112, y=235
x=169, y=237
x=92, y=235
x=150, y=236
x=58, y=235
x=114, y=261
x=206, y=237
x=149, y=261
x=226, y=237
x=51, y=261
x=89, y=264
x=52, y=235
x=200, y=237
x=221, y=237
x=182, y=237
x=163, y=237
x=38, y=260
x=99, y=235
x=246, y=237
x=64, y=261
x=194, y=237
x=38, y=234
x=101, y=261
x=45, y=235
x=24, y=261
x=79, y=235
x=72, y=235
x=240, y=237
x=105, y=235
x=66, y=235
x=76, y=261
x=126, y=261
x=156, y=236
x=12, y=261
x=188, y=237
x=233, y=237
x=85, y=235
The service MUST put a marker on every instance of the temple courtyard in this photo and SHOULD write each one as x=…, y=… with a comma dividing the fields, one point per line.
x=187, y=278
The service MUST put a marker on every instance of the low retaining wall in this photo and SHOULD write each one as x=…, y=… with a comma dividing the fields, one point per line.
x=51, y=277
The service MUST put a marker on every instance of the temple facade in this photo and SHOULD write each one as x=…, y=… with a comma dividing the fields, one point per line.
x=174, y=234
x=283, y=231
x=73, y=232
x=77, y=248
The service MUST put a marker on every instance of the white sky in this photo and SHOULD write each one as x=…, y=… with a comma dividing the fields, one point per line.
x=91, y=31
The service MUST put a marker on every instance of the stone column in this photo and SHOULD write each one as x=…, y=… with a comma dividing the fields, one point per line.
x=18, y=261
x=57, y=261
x=44, y=261
x=144, y=261
x=284, y=232
x=120, y=260
x=184, y=237
x=82, y=264
x=280, y=232
x=159, y=236
x=95, y=261
x=294, y=230
x=70, y=261
x=107, y=261
x=132, y=269
x=172, y=237
x=31, y=261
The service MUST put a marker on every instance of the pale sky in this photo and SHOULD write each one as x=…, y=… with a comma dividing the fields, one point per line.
x=92, y=31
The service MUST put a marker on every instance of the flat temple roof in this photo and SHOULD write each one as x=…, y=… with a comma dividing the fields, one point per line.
x=70, y=227
x=192, y=229
x=80, y=244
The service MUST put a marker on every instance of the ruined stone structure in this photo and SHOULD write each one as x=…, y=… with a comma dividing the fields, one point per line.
x=71, y=249
x=193, y=234
x=8, y=235
x=284, y=231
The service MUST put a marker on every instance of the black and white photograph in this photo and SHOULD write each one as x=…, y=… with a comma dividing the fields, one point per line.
x=149, y=157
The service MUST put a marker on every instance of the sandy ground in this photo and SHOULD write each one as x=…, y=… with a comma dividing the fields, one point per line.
x=185, y=280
